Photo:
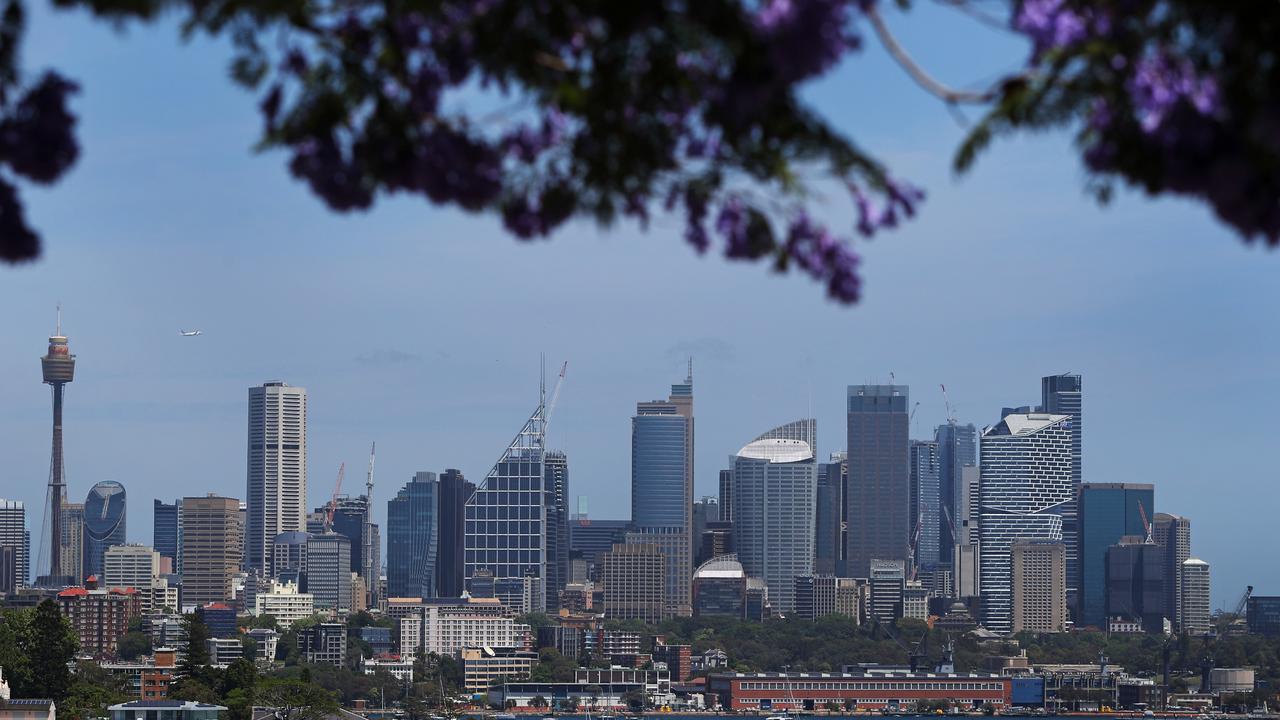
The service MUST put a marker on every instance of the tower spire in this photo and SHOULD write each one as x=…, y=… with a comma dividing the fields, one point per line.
x=689, y=379
x=58, y=367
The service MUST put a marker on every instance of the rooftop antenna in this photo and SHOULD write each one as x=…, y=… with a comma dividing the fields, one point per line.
x=689, y=379
x=58, y=331
x=542, y=379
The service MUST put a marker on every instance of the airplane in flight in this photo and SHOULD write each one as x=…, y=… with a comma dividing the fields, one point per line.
x=189, y=333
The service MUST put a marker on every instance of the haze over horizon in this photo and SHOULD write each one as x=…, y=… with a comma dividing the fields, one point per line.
x=421, y=328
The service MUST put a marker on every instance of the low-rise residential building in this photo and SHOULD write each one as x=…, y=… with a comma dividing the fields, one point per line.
x=267, y=641
x=28, y=709
x=400, y=668
x=324, y=643
x=100, y=617
x=148, y=678
x=284, y=603
x=224, y=651
x=220, y=618
x=482, y=667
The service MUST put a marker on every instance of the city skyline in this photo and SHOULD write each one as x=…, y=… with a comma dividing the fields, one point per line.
x=394, y=316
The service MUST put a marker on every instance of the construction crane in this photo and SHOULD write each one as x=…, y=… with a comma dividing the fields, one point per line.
x=367, y=569
x=1146, y=525
x=946, y=400
x=555, y=395
x=333, y=501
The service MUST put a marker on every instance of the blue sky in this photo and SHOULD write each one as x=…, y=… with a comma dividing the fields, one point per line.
x=421, y=328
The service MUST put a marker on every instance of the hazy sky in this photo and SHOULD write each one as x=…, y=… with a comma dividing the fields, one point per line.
x=421, y=328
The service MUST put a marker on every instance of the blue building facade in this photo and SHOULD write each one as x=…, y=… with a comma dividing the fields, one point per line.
x=413, y=538
x=957, y=449
x=658, y=467
x=164, y=534
x=104, y=523
x=1107, y=512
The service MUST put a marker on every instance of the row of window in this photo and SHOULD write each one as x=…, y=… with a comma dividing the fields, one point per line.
x=802, y=686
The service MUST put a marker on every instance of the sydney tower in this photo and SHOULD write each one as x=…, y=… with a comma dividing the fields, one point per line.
x=59, y=367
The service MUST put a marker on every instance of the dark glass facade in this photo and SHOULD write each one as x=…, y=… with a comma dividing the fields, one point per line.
x=450, y=566
x=827, y=549
x=924, y=505
x=556, y=468
x=104, y=523
x=164, y=534
x=658, y=463
x=1108, y=512
x=1263, y=612
x=1135, y=584
x=590, y=539
x=720, y=597
x=878, y=494
x=957, y=449
x=412, y=538
x=1063, y=395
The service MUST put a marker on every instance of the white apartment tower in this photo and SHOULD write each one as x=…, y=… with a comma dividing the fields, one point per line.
x=1194, y=591
x=276, y=489
x=1026, y=485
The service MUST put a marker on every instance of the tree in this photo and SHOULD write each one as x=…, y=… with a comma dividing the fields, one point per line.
x=197, y=657
x=538, y=702
x=635, y=700
x=296, y=700
x=693, y=108
x=15, y=629
x=52, y=645
x=133, y=645
x=92, y=691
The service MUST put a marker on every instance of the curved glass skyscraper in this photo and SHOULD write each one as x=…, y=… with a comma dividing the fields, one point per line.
x=104, y=523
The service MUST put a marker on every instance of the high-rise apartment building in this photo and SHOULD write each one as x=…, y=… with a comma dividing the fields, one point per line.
x=1107, y=512
x=506, y=515
x=130, y=566
x=1025, y=483
x=634, y=578
x=329, y=571
x=99, y=617
x=13, y=534
x=210, y=549
x=1134, y=583
x=454, y=491
x=1193, y=593
x=877, y=497
x=662, y=446
x=413, y=533
x=1173, y=534
x=104, y=523
x=72, y=529
x=775, y=481
x=925, y=517
x=556, y=468
x=1062, y=395
x=164, y=529
x=276, y=484
x=1038, y=585
x=957, y=449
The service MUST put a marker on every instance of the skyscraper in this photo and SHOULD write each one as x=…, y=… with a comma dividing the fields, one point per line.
x=349, y=515
x=925, y=517
x=775, y=481
x=1173, y=534
x=1134, y=583
x=210, y=549
x=104, y=523
x=329, y=570
x=1107, y=512
x=1062, y=395
x=957, y=449
x=1025, y=483
x=413, y=528
x=73, y=542
x=828, y=549
x=556, y=468
x=276, y=484
x=130, y=566
x=634, y=582
x=505, y=517
x=662, y=442
x=454, y=490
x=1194, y=601
x=878, y=493
x=726, y=495
x=1038, y=585
x=164, y=529
x=58, y=367
x=13, y=534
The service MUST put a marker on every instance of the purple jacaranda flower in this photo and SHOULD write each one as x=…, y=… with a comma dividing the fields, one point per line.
x=1050, y=25
x=1161, y=81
